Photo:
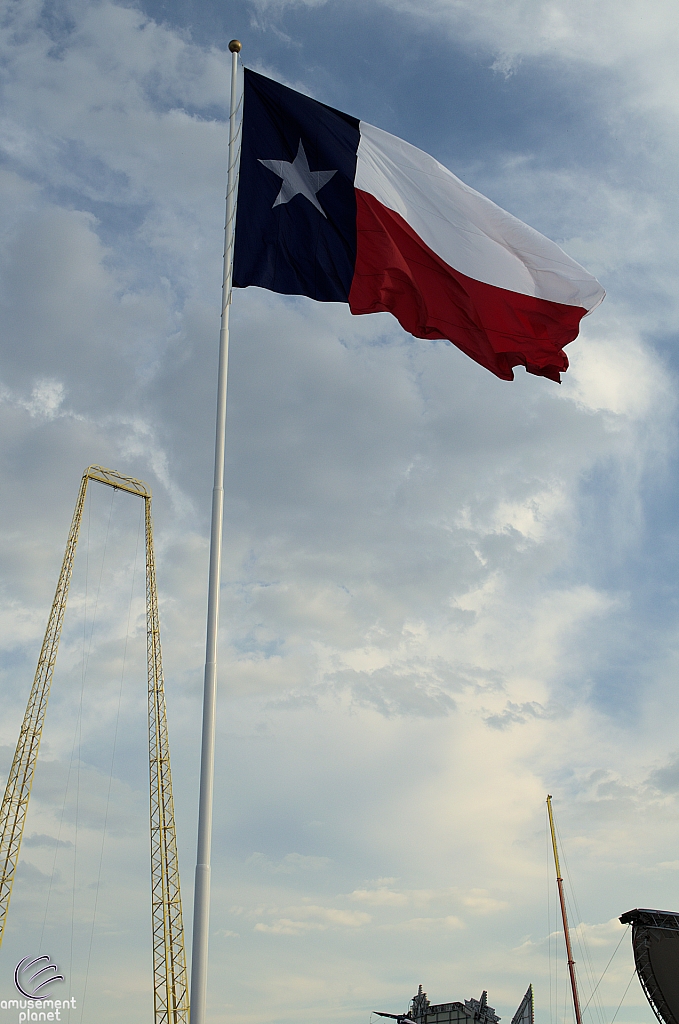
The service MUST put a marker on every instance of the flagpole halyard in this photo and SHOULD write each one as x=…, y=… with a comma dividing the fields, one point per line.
x=201, y=902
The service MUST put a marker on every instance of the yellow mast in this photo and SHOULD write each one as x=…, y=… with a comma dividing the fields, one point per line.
x=170, y=989
x=564, y=916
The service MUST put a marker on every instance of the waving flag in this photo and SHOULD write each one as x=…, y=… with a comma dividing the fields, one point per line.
x=341, y=211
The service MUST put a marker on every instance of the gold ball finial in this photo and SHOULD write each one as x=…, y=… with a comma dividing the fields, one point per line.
x=235, y=46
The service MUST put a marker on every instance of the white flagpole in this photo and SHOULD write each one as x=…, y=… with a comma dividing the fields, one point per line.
x=201, y=900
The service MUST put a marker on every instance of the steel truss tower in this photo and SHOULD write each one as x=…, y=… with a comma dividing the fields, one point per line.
x=170, y=990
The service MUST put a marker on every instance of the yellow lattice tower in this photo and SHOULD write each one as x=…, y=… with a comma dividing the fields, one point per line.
x=170, y=990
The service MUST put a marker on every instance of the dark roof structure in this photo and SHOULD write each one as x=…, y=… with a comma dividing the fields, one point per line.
x=655, y=943
x=471, y=1011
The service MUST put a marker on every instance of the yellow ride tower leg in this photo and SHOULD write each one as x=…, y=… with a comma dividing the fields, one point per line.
x=170, y=989
x=20, y=781
x=170, y=980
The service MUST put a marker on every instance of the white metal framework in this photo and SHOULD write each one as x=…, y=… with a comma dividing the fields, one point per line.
x=170, y=983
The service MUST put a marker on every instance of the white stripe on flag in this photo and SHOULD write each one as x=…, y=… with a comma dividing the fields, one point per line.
x=465, y=229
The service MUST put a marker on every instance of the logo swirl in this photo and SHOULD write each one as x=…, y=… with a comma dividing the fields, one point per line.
x=42, y=972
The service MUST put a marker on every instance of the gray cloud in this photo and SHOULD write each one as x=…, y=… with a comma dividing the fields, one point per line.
x=414, y=551
x=41, y=840
x=518, y=714
x=666, y=779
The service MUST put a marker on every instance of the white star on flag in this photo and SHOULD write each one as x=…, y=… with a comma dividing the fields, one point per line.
x=298, y=179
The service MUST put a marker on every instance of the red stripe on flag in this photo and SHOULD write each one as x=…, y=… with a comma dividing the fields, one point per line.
x=396, y=272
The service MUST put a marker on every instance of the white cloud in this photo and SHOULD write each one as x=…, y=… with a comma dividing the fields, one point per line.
x=311, y=918
x=426, y=624
x=46, y=398
x=291, y=863
x=422, y=924
x=482, y=902
x=379, y=897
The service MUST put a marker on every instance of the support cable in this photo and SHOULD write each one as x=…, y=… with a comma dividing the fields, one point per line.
x=623, y=995
x=78, y=733
x=58, y=839
x=79, y=722
x=549, y=920
x=583, y=945
x=110, y=774
x=564, y=915
x=608, y=965
x=75, y=739
x=580, y=939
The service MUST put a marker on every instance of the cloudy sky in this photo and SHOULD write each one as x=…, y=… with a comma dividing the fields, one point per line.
x=444, y=595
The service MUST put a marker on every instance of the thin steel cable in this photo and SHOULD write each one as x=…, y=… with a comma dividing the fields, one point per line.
x=80, y=711
x=560, y=982
x=580, y=939
x=623, y=995
x=574, y=918
x=553, y=895
x=75, y=734
x=110, y=776
x=61, y=822
x=101, y=573
x=587, y=961
x=58, y=840
x=73, y=745
x=610, y=961
x=549, y=917
x=581, y=945
x=78, y=732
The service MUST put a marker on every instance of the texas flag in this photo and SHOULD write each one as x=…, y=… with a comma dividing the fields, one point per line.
x=341, y=211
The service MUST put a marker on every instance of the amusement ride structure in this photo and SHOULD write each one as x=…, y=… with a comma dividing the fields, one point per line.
x=170, y=982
